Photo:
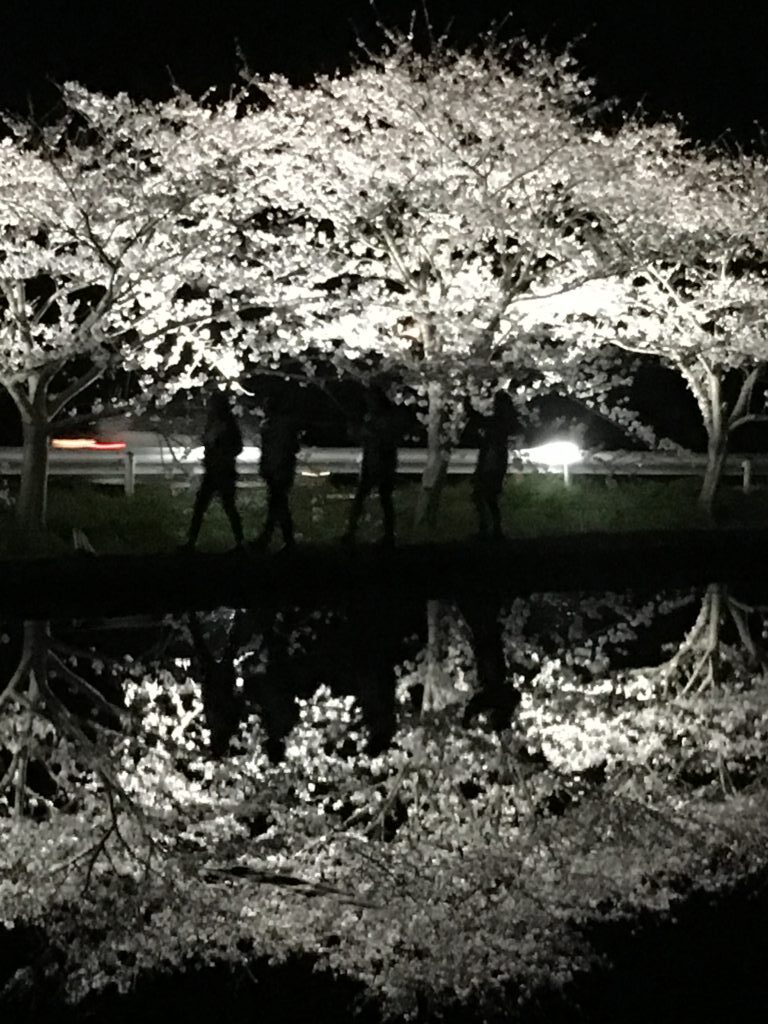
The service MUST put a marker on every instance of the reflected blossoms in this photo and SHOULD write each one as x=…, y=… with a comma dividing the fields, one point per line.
x=437, y=802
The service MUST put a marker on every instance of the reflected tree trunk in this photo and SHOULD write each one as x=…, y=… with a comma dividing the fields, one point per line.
x=697, y=664
x=29, y=688
x=495, y=694
x=434, y=669
x=26, y=686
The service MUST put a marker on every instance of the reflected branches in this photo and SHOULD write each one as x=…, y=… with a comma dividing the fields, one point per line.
x=431, y=799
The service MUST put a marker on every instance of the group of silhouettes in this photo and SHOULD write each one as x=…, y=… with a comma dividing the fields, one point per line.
x=379, y=437
x=358, y=644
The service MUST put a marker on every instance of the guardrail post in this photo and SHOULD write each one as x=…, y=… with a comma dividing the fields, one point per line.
x=566, y=474
x=746, y=475
x=129, y=474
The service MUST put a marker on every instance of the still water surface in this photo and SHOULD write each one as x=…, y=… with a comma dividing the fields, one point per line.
x=441, y=801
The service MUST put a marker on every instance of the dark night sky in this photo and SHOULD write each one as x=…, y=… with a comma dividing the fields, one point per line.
x=706, y=60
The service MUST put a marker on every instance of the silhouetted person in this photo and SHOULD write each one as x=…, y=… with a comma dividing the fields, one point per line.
x=492, y=460
x=223, y=443
x=222, y=705
x=494, y=694
x=273, y=676
x=379, y=437
x=279, y=447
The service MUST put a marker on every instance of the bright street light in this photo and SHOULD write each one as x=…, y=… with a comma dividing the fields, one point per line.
x=555, y=453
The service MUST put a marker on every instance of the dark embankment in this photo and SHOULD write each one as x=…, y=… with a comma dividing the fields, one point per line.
x=704, y=965
x=165, y=582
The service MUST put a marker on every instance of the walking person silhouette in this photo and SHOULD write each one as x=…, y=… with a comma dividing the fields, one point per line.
x=492, y=461
x=277, y=468
x=379, y=438
x=223, y=442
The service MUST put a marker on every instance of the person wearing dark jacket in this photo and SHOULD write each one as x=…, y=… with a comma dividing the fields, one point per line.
x=379, y=438
x=223, y=442
x=492, y=461
x=277, y=468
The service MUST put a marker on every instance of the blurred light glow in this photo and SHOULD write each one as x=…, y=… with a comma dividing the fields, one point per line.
x=87, y=444
x=250, y=453
x=555, y=453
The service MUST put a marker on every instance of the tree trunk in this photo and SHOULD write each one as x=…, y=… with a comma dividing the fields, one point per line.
x=710, y=397
x=33, y=491
x=717, y=450
x=436, y=469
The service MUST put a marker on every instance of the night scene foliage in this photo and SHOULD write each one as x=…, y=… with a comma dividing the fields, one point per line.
x=455, y=220
x=148, y=822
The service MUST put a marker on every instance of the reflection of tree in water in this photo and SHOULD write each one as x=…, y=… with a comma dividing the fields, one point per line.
x=46, y=695
x=463, y=662
x=473, y=653
x=281, y=655
x=720, y=642
x=407, y=833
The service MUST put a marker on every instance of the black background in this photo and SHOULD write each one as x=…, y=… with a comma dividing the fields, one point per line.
x=706, y=61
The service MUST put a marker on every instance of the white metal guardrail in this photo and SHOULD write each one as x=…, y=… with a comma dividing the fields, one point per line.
x=125, y=467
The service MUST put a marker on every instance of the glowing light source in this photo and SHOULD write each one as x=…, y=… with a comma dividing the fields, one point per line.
x=250, y=453
x=87, y=444
x=555, y=453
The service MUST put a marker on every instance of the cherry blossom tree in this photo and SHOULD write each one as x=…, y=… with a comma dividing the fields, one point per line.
x=122, y=225
x=685, y=231
x=443, y=184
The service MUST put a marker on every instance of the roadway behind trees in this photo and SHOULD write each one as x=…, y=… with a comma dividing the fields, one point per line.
x=330, y=409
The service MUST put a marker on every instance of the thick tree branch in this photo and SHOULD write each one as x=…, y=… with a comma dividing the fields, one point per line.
x=739, y=413
x=16, y=678
x=20, y=400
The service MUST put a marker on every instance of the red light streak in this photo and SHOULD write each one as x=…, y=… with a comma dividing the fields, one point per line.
x=87, y=444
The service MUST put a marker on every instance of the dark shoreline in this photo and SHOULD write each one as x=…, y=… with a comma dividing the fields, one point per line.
x=701, y=963
x=113, y=584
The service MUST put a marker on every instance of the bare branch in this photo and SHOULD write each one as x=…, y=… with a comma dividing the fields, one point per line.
x=80, y=685
x=62, y=400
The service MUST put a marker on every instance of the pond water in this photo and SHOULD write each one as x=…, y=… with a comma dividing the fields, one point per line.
x=465, y=804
